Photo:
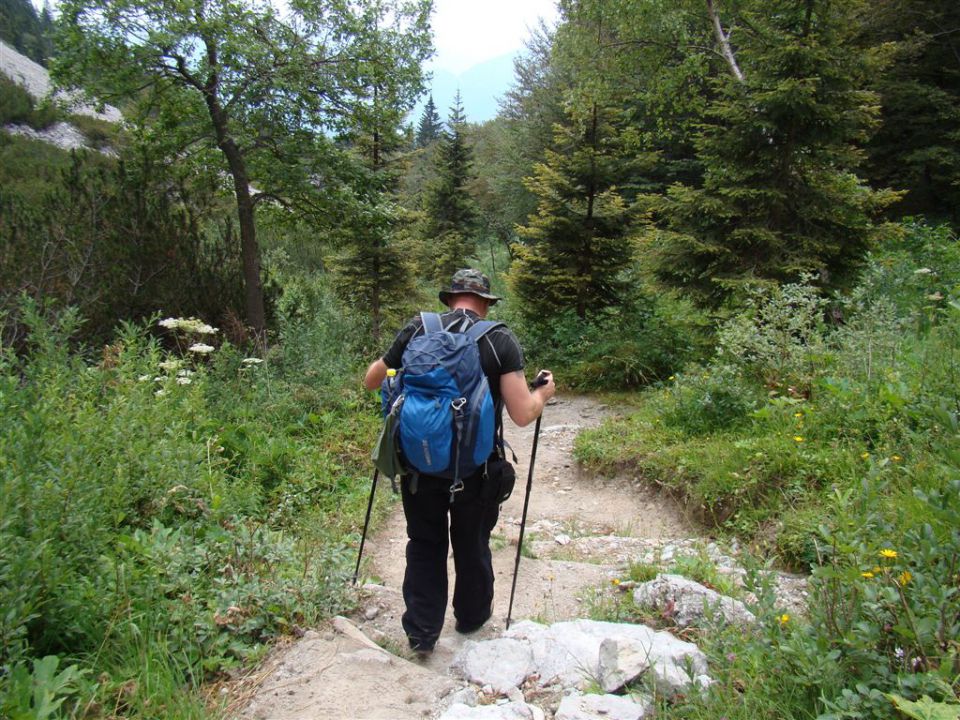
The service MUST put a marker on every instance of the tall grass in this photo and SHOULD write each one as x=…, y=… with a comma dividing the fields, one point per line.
x=165, y=513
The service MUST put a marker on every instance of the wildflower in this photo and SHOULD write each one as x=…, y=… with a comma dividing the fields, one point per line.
x=888, y=553
x=864, y=455
x=171, y=365
x=898, y=653
x=252, y=361
x=170, y=323
x=896, y=458
x=922, y=271
x=877, y=569
x=784, y=619
x=143, y=378
x=201, y=348
x=905, y=577
x=798, y=438
x=866, y=575
x=670, y=378
x=184, y=373
x=615, y=581
x=160, y=393
x=798, y=414
x=184, y=380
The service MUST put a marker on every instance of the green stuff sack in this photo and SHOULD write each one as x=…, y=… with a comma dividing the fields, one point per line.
x=386, y=454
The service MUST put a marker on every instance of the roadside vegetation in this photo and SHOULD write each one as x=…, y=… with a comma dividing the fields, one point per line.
x=824, y=431
x=170, y=506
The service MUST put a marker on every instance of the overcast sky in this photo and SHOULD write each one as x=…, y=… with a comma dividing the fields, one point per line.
x=467, y=32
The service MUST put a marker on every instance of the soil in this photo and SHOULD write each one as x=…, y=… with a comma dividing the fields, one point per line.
x=574, y=524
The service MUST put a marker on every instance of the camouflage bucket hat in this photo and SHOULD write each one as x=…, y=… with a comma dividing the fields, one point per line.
x=468, y=281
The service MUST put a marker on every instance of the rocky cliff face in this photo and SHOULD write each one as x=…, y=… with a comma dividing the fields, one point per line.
x=35, y=80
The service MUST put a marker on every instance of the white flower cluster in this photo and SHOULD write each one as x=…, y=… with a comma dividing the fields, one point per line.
x=189, y=325
x=252, y=361
x=201, y=348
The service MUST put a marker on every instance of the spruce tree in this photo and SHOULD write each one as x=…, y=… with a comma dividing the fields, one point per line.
x=780, y=196
x=449, y=210
x=430, y=126
x=576, y=247
x=917, y=147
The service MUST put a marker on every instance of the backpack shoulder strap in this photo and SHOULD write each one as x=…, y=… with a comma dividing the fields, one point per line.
x=431, y=322
x=481, y=328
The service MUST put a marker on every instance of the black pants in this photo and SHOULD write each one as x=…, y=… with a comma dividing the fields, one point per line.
x=471, y=519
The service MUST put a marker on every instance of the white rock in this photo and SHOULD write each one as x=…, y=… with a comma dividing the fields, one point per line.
x=562, y=539
x=691, y=601
x=602, y=707
x=502, y=663
x=509, y=711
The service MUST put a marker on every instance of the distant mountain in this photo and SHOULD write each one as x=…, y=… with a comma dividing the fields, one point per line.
x=480, y=88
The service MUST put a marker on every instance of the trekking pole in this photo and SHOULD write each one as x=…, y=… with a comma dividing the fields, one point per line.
x=366, y=524
x=540, y=380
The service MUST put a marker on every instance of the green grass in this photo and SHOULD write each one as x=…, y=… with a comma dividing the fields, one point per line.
x=833, y=450
x=162, y=533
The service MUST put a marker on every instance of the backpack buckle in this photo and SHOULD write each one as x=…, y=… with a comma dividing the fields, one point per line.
x=456, y=487
x=458, y=404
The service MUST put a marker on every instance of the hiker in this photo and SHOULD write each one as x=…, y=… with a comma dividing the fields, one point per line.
x=428, y=501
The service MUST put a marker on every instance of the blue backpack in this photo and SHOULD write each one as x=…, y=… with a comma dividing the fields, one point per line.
x=441, y=401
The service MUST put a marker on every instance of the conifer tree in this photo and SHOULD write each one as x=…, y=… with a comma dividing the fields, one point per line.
x=430, y=126
x=576, y=246
x=780, y=196
x=450, y=212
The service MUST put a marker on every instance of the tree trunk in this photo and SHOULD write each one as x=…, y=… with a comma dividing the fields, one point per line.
x=724, y=40
x=249, y=249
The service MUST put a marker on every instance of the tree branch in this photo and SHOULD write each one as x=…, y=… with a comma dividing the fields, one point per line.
x=724, y=40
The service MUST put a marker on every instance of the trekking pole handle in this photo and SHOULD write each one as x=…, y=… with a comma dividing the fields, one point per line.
x=540, y=380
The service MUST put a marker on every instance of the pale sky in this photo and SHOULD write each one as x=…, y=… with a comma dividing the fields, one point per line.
x=467, y=32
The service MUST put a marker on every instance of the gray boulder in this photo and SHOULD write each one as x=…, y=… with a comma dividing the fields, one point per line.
x=688, y=602
x=602, y=707
x=506, y=711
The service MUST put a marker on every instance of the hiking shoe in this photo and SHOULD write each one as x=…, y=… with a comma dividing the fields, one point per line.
x=421, y=647
x=467, y=628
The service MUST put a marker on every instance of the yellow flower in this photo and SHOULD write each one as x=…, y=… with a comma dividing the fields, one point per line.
x=798, y=414
x=615, y=581
x=864, y=455
x=896, y=458
x=784, y=619
x=670, y=378
x=888, y=553
x=867, y=575
x=905, y=577
x=798, y=438
x=877, y=569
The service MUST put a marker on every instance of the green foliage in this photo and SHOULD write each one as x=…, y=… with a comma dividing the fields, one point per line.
x=430, y=127
x=780, y=196
x=576, y=250
x=118, y=241
x=625, y=347
x=28, y=32
x=38, y=695
x=17, y=106
x=846, y=465
x=169, y=514
x=915, y=147
x=449, y=211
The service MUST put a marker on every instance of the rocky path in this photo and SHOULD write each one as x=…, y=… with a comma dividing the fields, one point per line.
x=582, y=531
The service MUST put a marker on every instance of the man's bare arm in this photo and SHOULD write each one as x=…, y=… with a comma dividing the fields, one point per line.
x=375, y=374
x=525, y=406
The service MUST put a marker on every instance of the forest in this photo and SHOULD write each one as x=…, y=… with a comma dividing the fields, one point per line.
x=737, y=220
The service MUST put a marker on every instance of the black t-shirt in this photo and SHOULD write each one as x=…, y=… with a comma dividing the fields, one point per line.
x=500, y=351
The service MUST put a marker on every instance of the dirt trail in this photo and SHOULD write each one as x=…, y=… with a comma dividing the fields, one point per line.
x=566, y=505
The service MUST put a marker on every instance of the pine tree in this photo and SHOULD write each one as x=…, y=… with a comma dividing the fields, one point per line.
x=917, y=147
x=780, y=196
x=430, y=126
x=576, y=247
x=450, y=212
